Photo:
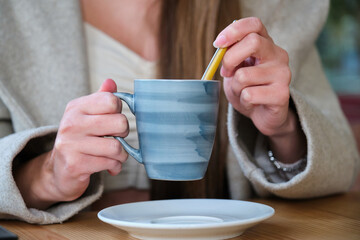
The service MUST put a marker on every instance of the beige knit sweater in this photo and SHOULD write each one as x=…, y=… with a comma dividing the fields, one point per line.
x=42, y=54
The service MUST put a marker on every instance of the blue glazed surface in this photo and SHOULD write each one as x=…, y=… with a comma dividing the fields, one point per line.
x=176, y=123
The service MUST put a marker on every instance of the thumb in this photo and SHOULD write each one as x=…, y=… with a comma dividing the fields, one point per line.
x=108, y=85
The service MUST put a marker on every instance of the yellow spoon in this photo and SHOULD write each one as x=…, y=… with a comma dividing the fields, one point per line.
x=214, y=64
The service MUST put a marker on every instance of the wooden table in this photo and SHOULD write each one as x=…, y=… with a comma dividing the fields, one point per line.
x=334, y=217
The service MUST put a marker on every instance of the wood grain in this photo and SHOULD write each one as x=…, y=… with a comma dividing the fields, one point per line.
x=334, y=217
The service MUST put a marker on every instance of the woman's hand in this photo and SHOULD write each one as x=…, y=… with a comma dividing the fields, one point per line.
x=79, y=151
x=256, y=82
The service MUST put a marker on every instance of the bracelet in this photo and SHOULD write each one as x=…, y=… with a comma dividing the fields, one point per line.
x=298, y=168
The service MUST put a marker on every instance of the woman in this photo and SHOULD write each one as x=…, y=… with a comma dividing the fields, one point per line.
x=48, y=171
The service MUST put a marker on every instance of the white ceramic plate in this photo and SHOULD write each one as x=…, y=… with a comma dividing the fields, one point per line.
x=186, y=218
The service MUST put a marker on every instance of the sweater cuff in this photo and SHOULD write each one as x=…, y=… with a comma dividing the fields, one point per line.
x=18, y=147
x=274, y=173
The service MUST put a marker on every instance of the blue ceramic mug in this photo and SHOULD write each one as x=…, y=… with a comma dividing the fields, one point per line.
x=176, y=125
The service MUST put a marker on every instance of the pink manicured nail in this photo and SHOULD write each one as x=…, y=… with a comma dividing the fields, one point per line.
x=220, y=41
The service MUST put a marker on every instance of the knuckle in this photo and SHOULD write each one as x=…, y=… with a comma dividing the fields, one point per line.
x=284, y=55
x=254, y=41
x=242, y=75
x=286, y=72
x=256, y=23
x=60, y=143
x=246, y=96
x=115, y=167
x=96, y=120
x=112, y=102
x=124, y=156
x=283, y=96
x=67, y=125
x=226, y=62
x=276, y=110
x=232, y=90
x=71, y=167
x=115, y=164
x=71, y=105
x=229, y=61
x=124, y=124
x=115, y=147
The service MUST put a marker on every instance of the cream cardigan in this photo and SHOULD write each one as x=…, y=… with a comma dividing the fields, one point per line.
x=43, y=65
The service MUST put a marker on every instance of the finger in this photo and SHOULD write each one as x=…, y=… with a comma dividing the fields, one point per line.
x=230, y=94
x=245, y=101
x=234, y=99
x=108, y=85
x=95, y=104
x=264, y=74
x=271, y=95
x=115, y=170
x=95, y=146
x=237, y=30
x=249, y=76
x=253, y=45
x=85, y=165
x=106, y=125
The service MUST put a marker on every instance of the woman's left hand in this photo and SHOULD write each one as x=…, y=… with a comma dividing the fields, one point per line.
x=256, y=75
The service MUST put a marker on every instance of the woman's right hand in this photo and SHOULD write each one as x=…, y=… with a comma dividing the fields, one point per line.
x=79, y=150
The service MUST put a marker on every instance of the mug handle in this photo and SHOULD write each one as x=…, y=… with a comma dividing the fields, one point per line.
x=129, y=99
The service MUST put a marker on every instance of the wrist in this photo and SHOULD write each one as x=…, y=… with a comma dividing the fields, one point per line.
x=285, y=169
x=34, y=183
x=289, y=144
x=289, y=127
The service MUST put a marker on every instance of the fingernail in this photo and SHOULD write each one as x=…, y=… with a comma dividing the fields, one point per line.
x=222, y=72
x=246, y=95
x=220, y=41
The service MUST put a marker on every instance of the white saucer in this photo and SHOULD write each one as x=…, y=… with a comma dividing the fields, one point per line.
x=186, y=218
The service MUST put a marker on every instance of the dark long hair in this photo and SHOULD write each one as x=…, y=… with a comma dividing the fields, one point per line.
x=187, y=30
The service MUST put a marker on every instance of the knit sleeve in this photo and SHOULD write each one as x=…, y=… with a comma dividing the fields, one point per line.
x=18, y=147
x=332, y=157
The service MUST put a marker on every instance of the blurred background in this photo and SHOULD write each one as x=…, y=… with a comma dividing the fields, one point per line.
x=339, y=47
